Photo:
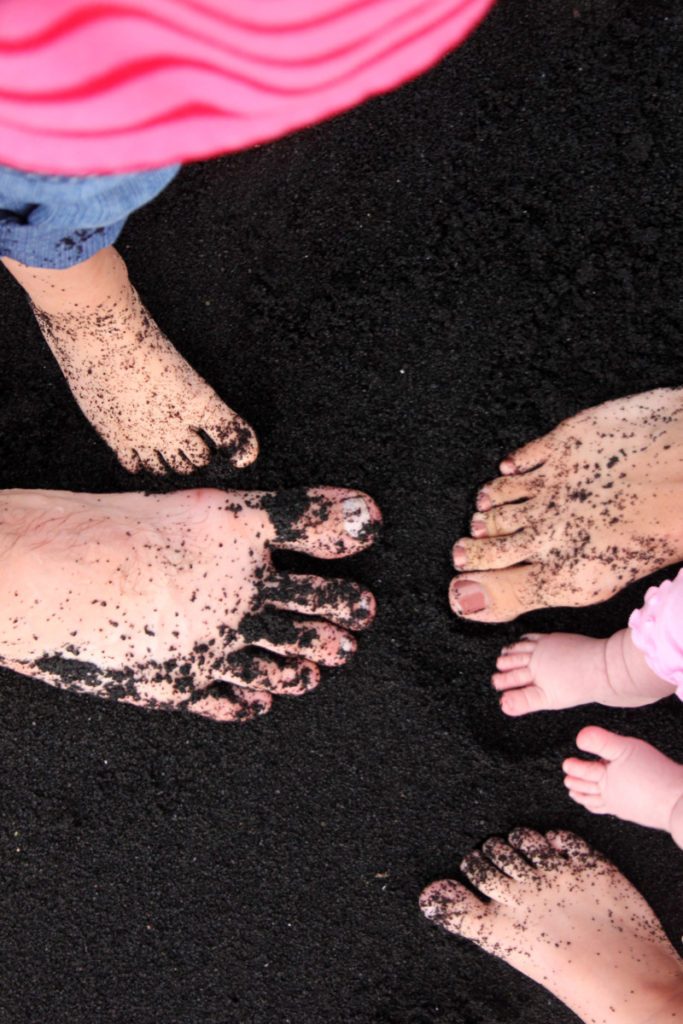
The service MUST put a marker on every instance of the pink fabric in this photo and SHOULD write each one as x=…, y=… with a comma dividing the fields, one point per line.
x=657, y=630
x=123, y=85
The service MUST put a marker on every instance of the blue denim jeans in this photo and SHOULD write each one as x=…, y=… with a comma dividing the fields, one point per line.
x=55, y=222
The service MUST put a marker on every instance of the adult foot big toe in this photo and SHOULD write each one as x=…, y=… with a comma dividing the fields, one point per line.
x=326, y=522
x=494, y=596
x=450, y=905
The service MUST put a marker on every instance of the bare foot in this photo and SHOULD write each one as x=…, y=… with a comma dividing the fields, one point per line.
x=560, y=913
x=172, y=601
x=563, y=670
x=631, y=779
x=578, y=514
x=138, y=392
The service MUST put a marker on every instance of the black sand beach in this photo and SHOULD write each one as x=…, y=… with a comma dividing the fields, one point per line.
x=394, y=300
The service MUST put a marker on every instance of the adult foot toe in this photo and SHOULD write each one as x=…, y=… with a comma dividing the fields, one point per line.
x=495, y=596
x=327, y=522
x=453, y=907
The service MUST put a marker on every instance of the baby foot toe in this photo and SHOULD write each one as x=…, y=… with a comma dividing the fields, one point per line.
x=523, y=701
x=517, y=656
x=509, y=678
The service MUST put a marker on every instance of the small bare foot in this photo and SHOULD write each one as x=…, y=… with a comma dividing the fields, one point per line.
x=631, y=780
x=578, y=514
x=138, y=392
x=563, y=670
x=173, y=601
x=562, y=914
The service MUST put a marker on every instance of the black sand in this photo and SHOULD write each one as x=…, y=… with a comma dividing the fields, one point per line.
x=394, y=300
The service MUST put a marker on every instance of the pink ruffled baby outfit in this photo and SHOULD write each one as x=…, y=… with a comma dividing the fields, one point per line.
x=100, y=102
x=97, y=88
x=657, y=630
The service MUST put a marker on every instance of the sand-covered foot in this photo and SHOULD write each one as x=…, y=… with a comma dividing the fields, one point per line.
x=579, y=513
x=138, y=392
x=562, y=670
x=561, y=913
x=173, y=601
x=632, y=780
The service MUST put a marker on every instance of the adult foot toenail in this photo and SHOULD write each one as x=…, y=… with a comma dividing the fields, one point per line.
x=468, y=598
x=347, y=646
x=478, y=526
x=357, y=517
x=459, y=556
x=483, y=501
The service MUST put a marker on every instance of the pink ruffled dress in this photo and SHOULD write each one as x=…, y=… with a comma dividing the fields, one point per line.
x=657, y=630
x=104, y=86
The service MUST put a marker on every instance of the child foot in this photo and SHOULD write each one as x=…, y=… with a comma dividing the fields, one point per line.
x=138, y=392
x=579, y=513
x=563, y=670
x=632, y=780
x=173, y=601
x=562, y=914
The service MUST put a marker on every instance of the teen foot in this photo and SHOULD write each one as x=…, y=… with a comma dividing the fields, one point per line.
x=561, y=913
x=173, y=601
x=579, y=513
x=138, y=392
x=562, y=670
x=632, y=780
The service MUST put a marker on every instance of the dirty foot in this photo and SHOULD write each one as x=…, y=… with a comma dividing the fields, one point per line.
x=138, y=392
x=632, y=780
x=560, y=913
x=579, y=513
x=173, y=601
x=563, y=670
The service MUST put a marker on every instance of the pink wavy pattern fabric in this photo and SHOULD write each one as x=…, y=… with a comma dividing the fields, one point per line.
x=657, y=630
x=96, y=87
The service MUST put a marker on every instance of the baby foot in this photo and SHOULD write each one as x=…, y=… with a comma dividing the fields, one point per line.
x=562, y=914
x=138, y=392
x=173, y=601
x=563, y=670
x=631, y=780
x=578, y=514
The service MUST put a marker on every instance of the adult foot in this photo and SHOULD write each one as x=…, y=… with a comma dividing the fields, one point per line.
x=632, y=780
x=563, y=670
x=579, y=513
x=173, y=601
x=138, y=392
x=562, y=914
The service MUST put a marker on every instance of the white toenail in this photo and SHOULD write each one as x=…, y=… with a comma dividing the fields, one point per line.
x=347, y=646
x=356, y=516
